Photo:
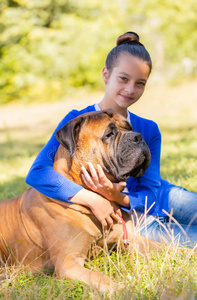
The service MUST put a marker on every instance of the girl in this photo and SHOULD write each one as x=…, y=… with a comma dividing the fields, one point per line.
x=126, y=71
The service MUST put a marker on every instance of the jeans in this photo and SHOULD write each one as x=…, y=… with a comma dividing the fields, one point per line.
x=180, y=228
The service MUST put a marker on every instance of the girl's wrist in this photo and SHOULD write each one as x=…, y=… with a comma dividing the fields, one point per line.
x=84, y=197
x=122, y=200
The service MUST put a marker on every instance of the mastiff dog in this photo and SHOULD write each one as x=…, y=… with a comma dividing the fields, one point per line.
x=44, y=233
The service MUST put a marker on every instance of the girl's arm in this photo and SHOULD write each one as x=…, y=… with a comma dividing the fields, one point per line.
x=46, y=180
x=104, y=210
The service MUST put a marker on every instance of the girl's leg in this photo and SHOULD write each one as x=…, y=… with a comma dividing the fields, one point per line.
x=183, y=205
x=183, y=230
x=163, y=230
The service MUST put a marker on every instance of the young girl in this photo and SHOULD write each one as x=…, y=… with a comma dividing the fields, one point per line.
x=126, y=71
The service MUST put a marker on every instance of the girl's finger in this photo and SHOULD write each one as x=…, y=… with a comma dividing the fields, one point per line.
x=119, y=213
x=109, y=221
x=93, y=172
x=121, y=185
x=86, y=182
x=116, y=217
x=86, y=177
x=104, y=224
x=101, y=172
x=103, y=178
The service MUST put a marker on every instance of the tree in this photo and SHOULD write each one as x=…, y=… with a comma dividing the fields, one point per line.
x=48, y=47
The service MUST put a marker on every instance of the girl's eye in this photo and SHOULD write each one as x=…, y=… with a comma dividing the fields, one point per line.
x=123, y=78
x=141, y=83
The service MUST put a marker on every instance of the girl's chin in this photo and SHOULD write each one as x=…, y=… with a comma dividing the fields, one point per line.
x=124, y=104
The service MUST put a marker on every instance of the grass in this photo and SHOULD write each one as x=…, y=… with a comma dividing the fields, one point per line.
x=157, y=275
x=162, y=274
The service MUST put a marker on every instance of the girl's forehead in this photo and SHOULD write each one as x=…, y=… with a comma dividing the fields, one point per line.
x=127, y=64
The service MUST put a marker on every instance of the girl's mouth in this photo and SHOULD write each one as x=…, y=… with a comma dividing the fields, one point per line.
x=127, y=98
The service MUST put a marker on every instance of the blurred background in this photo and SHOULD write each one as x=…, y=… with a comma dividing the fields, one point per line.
x=50, y=49
x=51, y=56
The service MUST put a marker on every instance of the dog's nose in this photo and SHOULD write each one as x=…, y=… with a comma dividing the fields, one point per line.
x=136, y=137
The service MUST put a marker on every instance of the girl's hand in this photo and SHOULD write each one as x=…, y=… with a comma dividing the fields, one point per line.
x=104, y=210
x=99, y=183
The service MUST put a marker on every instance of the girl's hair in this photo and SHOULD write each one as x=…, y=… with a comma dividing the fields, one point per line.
x=129, y=43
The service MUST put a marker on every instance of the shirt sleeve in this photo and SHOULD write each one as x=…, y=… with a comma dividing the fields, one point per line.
x=142, y=192
x=44, y=178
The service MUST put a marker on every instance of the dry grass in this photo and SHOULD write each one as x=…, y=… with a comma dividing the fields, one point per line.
x=162, y=274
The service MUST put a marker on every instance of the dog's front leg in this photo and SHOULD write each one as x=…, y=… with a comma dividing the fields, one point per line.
x=72, y=267
x=69, y=257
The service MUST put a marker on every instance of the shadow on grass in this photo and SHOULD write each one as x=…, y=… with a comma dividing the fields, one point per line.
x=22, y=141
x=182, y=133
x=177, y=158
x=18, y=148
x=178, y=144
x=13, y=188
x=13, y=149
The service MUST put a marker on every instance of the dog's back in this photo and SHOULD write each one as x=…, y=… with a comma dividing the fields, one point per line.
x=16, y=245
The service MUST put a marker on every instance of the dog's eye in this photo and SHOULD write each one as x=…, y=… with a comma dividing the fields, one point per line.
x=108, y=135
x=111, y=131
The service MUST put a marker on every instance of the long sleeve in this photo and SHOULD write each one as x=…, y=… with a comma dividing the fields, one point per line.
x=43, y=177
x=143, y=192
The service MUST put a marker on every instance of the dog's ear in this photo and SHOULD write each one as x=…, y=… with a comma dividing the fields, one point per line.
x=69, y=133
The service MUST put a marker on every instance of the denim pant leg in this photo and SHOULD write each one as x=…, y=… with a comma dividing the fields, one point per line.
x=183, y=205
x=182, y=232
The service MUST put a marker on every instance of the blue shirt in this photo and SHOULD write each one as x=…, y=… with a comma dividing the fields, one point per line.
x=146, y=192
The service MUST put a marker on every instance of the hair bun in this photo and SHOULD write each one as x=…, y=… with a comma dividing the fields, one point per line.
x=127, y=38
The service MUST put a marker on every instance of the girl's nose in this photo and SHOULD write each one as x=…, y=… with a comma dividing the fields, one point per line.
x=130, y=89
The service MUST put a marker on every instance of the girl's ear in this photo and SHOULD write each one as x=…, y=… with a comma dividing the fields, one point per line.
x=105, y=74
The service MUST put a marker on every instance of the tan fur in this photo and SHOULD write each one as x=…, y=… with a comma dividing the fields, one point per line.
x=44, y=233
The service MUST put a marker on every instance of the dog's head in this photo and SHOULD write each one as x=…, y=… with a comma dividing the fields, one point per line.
x=106, y=138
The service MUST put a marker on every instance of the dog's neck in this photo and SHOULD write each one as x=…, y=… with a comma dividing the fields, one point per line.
x=64, y=164
x=70, y=168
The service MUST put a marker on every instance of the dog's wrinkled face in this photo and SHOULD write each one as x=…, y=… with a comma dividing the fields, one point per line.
x=106, y=138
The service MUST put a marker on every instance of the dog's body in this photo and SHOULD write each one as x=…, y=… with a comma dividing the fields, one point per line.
x=45, y=233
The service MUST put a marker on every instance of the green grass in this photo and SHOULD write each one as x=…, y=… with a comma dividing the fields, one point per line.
x=162, y=274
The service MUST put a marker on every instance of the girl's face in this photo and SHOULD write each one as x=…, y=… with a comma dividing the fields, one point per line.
x=126, y=83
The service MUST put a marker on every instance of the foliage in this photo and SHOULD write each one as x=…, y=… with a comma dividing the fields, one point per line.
x=50, y=47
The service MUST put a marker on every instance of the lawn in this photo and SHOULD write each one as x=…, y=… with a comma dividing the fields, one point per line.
x=164, y=274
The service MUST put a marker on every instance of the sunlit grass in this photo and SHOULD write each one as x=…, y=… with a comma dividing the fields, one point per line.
x=162, y=274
